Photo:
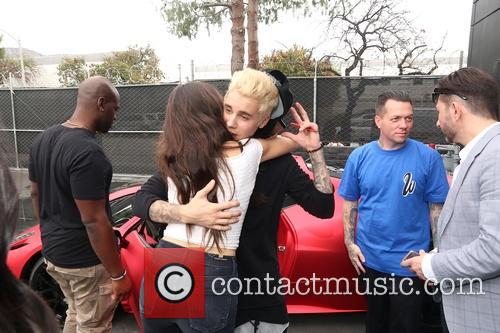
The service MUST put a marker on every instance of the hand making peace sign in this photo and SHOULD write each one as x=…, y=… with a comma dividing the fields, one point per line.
x=308, y=135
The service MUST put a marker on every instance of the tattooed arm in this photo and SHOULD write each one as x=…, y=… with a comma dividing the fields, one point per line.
x=435, y=211
x=322, y=180
x=200, y=211
x=350, y=216
x=151, y=203
x=309, y=139
x=164, y=212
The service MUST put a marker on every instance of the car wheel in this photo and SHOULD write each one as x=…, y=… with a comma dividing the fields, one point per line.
x=41, y=282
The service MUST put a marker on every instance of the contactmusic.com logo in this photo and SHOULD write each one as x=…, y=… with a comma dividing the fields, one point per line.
x=174, y=283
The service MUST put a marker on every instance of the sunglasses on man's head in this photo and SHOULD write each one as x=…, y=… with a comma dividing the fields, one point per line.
x=445, y=91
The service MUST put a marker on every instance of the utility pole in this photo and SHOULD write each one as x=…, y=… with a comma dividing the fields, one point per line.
x=21, y=58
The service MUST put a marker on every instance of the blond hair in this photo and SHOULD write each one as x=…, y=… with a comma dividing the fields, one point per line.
x=256, y=84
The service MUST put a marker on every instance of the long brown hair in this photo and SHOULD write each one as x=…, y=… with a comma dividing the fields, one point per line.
x=190, y=149
x=21, y=309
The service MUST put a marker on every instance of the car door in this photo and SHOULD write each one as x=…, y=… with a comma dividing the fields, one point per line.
x=313, y=258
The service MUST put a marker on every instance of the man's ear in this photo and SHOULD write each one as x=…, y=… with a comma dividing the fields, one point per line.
x=264, y=121
x=377, y=120
x=100, y=103
x=456, y=110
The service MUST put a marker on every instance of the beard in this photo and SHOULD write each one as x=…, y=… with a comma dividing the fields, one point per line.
x=449, y=133
x=104, y=125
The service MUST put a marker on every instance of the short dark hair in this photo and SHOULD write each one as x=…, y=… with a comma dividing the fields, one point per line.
x=479, y=87
x=396, y=95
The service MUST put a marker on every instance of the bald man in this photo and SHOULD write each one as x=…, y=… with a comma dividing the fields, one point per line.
x=70, y=178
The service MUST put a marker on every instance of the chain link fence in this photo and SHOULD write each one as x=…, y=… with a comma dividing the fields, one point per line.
x=342, y=106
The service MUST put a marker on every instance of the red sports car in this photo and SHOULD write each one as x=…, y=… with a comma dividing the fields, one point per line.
x=306, y=245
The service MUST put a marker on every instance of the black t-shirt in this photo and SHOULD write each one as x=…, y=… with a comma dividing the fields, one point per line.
x=68, y=164
x=257, y=252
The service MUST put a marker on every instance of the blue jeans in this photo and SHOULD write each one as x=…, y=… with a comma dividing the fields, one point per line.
x=220, y=310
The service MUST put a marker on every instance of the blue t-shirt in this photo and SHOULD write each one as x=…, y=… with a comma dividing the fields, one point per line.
x=394, y=189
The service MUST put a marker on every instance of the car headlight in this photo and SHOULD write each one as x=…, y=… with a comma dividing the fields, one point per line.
x=22, y=236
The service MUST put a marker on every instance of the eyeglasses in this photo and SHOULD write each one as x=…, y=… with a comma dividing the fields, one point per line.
x=445, y=91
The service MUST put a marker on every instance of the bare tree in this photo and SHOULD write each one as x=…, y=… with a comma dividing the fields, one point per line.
x=416, y=57
x=364, y=29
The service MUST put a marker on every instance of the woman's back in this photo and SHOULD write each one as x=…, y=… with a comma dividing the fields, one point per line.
x=236, y=185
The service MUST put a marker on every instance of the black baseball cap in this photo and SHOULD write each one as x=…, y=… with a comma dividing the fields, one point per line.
x=285, y=102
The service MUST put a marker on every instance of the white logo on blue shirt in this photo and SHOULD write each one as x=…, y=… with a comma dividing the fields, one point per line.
x=410, y=184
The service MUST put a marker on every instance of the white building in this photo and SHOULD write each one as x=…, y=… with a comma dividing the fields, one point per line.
x=47, y=65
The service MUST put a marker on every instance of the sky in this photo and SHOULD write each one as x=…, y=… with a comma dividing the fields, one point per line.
x=92, y=26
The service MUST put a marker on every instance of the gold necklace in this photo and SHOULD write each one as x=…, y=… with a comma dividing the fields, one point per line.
x=74, y=125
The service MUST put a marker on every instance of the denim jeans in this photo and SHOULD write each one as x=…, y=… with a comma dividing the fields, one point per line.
x=220, y=310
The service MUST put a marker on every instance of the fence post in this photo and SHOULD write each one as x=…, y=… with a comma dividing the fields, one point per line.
x=315, y=90
x=192, y=70
x=13, y=120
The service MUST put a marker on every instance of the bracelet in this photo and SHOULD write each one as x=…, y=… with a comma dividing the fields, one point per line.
x=321, y=144
x=118, y=278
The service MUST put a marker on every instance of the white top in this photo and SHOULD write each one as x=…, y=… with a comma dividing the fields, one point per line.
x=244, y=168
x=427, y=260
